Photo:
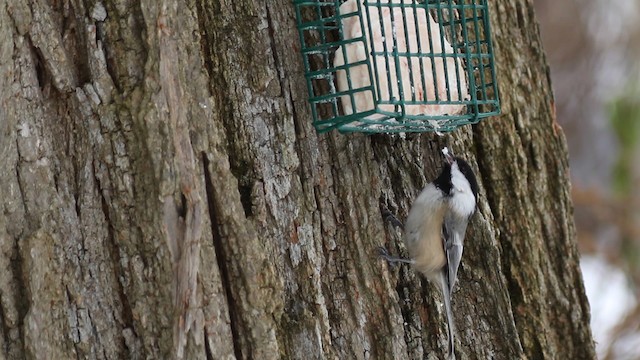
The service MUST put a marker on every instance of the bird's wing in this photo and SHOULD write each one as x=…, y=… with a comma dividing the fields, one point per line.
x=453, y=247
x=452, y=244
x=446, y=292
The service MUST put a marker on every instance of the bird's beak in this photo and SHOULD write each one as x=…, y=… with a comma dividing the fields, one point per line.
x=448, y=157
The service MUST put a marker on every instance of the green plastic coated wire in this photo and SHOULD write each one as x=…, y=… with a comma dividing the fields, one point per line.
x=390, y=66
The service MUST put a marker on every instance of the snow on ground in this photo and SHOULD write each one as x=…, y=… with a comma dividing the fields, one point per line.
x=610, y=299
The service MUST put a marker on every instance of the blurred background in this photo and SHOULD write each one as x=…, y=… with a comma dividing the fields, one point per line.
x=593, y=48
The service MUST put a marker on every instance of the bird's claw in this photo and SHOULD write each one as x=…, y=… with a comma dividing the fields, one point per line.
x=383, y=253
x=388, y=216
x=391, y=260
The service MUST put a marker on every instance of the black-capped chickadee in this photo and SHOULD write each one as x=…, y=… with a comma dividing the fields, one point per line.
x=435, y=228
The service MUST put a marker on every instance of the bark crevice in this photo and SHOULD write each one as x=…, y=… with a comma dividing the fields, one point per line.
x=234, y=312
x=115, y=256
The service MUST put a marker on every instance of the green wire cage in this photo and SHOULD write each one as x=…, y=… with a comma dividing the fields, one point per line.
x=385, y=66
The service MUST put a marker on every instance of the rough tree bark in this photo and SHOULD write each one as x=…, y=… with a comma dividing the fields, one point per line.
x=164, y=195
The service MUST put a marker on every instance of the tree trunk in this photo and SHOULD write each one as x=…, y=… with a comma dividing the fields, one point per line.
x=165, y=196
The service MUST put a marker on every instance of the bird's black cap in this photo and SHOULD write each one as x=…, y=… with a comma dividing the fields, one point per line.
x=443, y=181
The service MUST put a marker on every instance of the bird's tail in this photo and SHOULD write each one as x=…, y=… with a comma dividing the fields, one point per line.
x=446, y=292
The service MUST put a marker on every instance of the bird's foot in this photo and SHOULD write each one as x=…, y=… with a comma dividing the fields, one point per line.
x=388, y=216
x=392, y=260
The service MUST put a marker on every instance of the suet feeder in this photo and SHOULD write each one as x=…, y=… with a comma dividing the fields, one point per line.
x=387, y=66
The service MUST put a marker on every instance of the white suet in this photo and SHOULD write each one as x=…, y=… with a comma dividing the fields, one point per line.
x=402, y=30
